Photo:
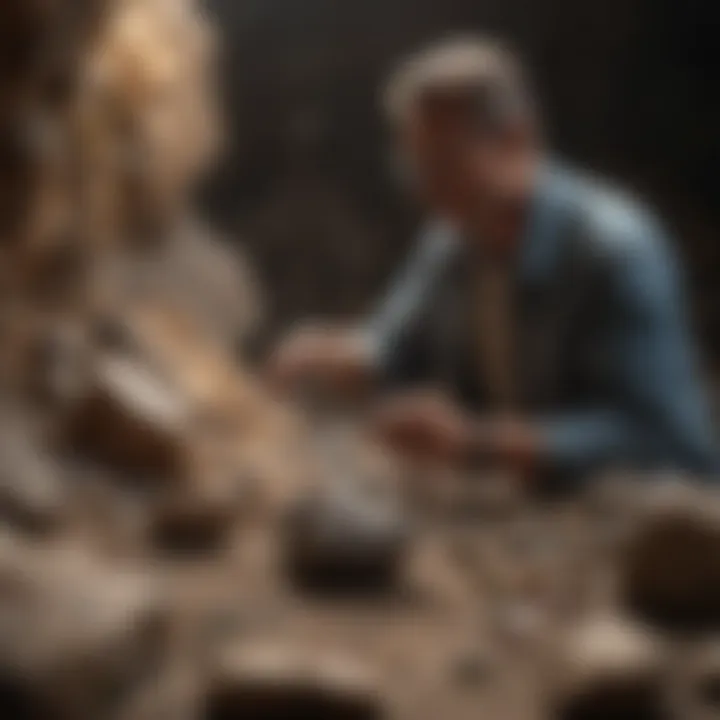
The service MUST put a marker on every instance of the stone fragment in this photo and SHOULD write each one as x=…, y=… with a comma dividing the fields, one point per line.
x=130, y=419
x=268, y=682
x=345, y=538
x=199, y=518
x=669, y=569
x=609, y=668
x=33, y=495
x=75, y=636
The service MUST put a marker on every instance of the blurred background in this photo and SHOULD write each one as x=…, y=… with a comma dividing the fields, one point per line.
x=628, y=88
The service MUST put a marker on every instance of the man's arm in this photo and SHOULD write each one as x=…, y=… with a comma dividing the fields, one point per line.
x=381, y=350
x=655, y=415
x=394, y=332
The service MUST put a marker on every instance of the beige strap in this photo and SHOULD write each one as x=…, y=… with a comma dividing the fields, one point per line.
x=495, y=341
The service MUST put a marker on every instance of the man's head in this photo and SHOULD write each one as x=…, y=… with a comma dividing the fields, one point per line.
x=467, y=131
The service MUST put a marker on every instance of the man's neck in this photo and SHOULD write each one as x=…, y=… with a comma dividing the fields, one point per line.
x=500, y=232
x=500, y=240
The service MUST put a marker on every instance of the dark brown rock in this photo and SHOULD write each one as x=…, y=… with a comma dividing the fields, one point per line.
x=200, y=519
x=670, y=566
x=344, y=538
x=130, y=419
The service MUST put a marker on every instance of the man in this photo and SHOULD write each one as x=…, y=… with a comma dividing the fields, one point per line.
x=543, y=308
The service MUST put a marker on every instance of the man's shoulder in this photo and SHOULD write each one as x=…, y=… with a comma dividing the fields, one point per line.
x=615, y=223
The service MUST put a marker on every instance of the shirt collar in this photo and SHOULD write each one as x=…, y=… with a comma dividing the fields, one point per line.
x=539, y=251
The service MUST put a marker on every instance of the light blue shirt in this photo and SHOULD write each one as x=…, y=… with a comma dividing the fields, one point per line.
x=634, y=399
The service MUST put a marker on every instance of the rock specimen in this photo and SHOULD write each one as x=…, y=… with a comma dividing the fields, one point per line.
x=269, y=682
x=344, y=537
x=669, y=568
x=609, y=668
x=75, y=635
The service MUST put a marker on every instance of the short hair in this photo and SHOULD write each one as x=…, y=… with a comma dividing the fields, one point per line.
x=482, y=74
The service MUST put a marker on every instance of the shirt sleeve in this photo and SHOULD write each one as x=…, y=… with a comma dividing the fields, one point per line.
x=392, y=332
x=656, y=415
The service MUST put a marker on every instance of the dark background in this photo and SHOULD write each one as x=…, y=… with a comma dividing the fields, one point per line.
x=629, y=88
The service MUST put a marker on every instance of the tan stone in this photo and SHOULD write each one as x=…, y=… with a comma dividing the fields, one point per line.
x=608, y=667
x=33, y=493
x=72, y=629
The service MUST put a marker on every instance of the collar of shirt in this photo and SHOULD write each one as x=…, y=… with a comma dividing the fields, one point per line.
x=540, y=246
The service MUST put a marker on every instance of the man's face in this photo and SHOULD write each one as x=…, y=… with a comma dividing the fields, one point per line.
x=473, y=177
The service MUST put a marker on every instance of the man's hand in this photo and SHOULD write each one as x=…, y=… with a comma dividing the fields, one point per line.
x=337, y=358
x=429, y=425
x=425, y=425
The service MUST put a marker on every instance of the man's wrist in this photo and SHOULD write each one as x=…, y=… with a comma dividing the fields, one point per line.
x=477, y=447
x=501, y=441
